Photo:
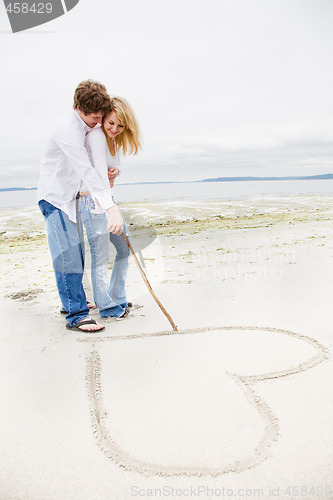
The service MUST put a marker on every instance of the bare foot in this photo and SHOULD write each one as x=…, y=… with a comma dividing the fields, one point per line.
x=86, y=325
x=90, y=327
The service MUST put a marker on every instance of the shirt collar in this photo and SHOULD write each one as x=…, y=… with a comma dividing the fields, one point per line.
x=81, y=122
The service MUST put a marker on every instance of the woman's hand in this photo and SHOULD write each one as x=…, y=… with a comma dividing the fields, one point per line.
x=114, y=220
x=112, y=174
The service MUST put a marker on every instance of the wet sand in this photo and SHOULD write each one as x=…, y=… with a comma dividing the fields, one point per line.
x=238, y=402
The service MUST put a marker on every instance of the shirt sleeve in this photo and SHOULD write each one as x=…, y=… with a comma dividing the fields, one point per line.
x=97, y=143
x=71, y=142
x=118, y=157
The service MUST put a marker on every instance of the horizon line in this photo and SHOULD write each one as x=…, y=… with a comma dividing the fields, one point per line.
x=213, y=179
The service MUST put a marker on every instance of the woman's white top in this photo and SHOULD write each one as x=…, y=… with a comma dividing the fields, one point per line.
x=65, y=164
x=100, y=157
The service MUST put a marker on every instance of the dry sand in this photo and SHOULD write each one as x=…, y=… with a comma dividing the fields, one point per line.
x=237, y=404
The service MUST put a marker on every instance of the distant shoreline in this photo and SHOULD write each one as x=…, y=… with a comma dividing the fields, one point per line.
x=17, y=189
x=216, y=179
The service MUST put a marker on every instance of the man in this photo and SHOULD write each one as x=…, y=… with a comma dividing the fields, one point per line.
x=65, y=163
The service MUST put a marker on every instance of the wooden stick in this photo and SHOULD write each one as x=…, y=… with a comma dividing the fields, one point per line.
x=145, y=279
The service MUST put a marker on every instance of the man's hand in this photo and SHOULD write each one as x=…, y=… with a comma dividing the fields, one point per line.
x=112, y=174
x=114, y=220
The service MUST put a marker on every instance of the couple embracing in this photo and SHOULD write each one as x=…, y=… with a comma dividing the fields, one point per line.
x=79, y=165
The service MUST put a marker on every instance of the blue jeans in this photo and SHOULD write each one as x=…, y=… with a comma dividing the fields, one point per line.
x=64, y=238
x=110, y=297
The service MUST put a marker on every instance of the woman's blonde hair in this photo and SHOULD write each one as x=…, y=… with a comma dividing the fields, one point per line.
x=130, y=139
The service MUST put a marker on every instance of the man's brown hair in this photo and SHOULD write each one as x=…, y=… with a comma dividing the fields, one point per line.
x=92, y=97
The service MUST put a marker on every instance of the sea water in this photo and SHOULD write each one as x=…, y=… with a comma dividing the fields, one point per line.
x=193, y=191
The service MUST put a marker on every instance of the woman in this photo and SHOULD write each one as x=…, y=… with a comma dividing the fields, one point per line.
x=119, y=134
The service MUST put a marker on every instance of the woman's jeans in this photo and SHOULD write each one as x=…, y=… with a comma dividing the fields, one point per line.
x=110, y=298
x=65, y=242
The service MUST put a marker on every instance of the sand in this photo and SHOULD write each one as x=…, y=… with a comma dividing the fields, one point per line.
x=237, y=403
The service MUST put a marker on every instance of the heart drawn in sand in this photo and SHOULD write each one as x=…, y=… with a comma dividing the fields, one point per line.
x=189, y=406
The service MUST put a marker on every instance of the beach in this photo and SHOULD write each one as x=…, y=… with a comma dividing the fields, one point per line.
x=237, y=403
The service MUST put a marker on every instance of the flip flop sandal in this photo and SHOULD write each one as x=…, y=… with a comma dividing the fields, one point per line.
x=129, y=304
x=124, y=315
x=84, y=322
x=89, y=304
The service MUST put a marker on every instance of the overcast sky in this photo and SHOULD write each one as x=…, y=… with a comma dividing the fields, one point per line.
x=220, y=87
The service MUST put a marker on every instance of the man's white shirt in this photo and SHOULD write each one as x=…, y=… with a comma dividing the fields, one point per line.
x=65, y=164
